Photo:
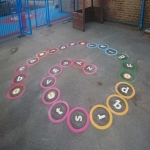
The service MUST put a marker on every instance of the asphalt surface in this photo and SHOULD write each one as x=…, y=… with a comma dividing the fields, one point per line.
x=24, y=122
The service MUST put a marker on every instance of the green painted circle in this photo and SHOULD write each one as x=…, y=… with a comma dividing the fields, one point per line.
x=135, y=66
x=128, y=72
x=119, y=54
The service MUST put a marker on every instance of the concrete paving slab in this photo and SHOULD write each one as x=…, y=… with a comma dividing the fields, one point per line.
x=24, y=122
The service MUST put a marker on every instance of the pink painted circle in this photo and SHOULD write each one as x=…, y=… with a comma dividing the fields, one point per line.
x=41, y=54
x=66, y=62
x=21, y=69
x=89, y=69
x=86, y=123
x=19, y=88
x=50, y=96
x=55, y=70
x=32, y=61
x=19, y=78
x=51, y=81
x=79, y=63
x=58, y=114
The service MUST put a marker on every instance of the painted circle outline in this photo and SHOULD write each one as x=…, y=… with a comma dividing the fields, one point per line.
x=72, y=45
x=53, y=67
x=127, y=72
x=41, y=52
x=93, y=122
x=91, y=72
x=101, y=48
x=12, y=98
x=87, y=122
x=52, y=49
x=34, y=63
x=44, y=79
x=50, y=109
x=12, y=81
x=91, y=43
x=66, y=66
x=128, y=97
x=126, y=68
x=48, y=103
x=27, y=67
x=111, y=54
x=82, y=44
x=79, y=66
x=117, y=113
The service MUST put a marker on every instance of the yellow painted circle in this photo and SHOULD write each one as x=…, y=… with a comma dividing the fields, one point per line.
x=117, y=113
x=16, y=91
x=93, y=122
x=82, y=43
x=133, y=90
x=51, y=95
x=127, y=76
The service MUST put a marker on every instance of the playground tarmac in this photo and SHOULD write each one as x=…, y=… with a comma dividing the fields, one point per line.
x=96, y=99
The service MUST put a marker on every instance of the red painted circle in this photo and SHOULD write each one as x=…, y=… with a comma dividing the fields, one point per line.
x=26, y=76
x=37, y=55
x=12, y=98
x=84, y=63
x=20, y=67
x=89, y=72
x=53, y=52
x=33, y=63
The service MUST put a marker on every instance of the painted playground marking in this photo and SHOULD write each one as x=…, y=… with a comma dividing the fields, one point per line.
x=78, y=118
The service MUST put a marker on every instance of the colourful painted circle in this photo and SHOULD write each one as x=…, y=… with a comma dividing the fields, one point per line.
x=92, y=45
x=129, y=65
x=127, y=76
x=78, y=119
x=111, y=51
x=48, y=82
x=53, y=50
x=41, y=54
x=79, y=63
x=102, y=46
x=125, y=89
x=16, y=91
x=90, y=69
x=82, y=43
x=117, y=104
x=58, y=111
x=101, y=117
x=50, y=96
x=19, y=78
x=66, y=62
x=21, y=69
x=55, y=70
x=122, y=56
x=33, y=61
x=63, y=47
x=72, y=44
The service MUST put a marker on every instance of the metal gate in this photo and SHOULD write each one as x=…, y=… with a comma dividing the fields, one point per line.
x=42, y=13
x=14, y=18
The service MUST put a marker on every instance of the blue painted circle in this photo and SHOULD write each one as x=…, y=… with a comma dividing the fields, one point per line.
x=102, y=46
x=88, y=45
x=109, y=50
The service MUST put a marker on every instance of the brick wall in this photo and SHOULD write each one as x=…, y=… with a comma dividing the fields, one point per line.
x=124, y=10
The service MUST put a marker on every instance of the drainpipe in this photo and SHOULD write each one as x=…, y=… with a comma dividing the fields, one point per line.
x=142, y=14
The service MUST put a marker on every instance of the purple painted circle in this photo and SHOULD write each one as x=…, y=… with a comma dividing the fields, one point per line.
x=87, y=121
x=34, y=58
x=38, y=54
x=67, y=60
x=64, y=117
x=55, y=68
x=79, y=62
x=48, y=103
x=90, y=72
x=24, y=76
x=41, y=83
x=18, y=95
x=21, y=69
